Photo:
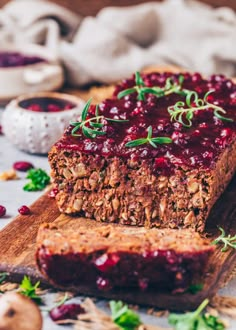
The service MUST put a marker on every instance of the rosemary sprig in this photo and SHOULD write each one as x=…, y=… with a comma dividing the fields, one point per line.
x=149, y=139
x=91, y=127
x=141, y=89
x=183, y=112
x=228, y=241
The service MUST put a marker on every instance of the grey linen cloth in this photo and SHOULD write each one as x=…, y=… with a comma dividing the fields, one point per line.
x=121, y=40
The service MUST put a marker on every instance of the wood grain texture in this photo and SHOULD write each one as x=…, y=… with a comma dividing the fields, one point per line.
x=17, y=244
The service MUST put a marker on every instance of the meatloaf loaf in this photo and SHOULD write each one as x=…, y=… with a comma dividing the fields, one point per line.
x=111, y=258
x=158, y=153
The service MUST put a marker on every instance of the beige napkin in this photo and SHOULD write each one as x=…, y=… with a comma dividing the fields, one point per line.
x=119, y=41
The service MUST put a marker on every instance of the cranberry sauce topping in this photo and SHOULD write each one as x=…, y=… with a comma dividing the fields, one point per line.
x=159, y=269
x=14, y=59
x=46, y=104
x=195, y=146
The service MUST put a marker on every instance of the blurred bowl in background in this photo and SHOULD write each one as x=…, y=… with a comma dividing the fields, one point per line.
x=34, y=122
x=26, y=69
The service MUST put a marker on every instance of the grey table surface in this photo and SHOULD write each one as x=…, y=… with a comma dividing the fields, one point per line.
x=12, y=197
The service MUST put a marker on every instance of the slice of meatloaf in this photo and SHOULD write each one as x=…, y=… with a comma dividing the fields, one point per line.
x=172, y=184
x=111, y=258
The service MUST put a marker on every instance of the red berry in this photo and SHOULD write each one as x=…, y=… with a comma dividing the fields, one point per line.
x=66, y=312
x=105, y=262
x=22, y=166
x=2, y=211
x=53, y=108
x=68, y=106
x=52, y=193
x=24, y=210
x=103, y=284
x=35, y=107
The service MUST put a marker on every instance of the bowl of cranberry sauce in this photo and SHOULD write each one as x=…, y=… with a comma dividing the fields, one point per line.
x=34, y=122
x=47, y=104
x=26, y=69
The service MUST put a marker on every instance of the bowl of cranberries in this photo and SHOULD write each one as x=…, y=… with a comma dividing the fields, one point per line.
x=34, y=122
x=28, y=68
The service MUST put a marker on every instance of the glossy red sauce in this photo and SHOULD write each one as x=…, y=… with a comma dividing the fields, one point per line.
x=197, y=146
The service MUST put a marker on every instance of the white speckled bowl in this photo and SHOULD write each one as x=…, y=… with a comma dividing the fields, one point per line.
x=36, y=132
x=38, y=77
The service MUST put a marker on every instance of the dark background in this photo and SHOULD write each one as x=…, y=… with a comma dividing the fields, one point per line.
x=91, y=7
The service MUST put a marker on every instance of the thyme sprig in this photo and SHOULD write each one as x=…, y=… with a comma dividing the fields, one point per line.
x=228, y=241
x=141, y=89
x=183, y=112
x=91, y=127
x=149, y=139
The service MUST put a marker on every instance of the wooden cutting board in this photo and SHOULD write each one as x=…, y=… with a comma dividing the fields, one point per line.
x=17, y=246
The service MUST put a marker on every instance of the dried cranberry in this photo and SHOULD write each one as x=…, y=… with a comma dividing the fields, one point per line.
x=24, y=210
x=22, y=166
x=66, y=312
x=2, y=211
x=52, y=193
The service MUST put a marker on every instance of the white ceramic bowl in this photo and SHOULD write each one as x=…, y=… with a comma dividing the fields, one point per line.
x=43, y=76
x=36, y=132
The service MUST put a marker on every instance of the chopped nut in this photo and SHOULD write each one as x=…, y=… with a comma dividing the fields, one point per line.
x=8, y=175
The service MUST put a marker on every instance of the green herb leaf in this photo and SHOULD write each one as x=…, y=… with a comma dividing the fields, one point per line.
x=91, y=127
x=183, y=112
x=149, y=139
x=39, y=180
x=29, y=290
x=227, y=241
x=124, y=317
x=196, y=320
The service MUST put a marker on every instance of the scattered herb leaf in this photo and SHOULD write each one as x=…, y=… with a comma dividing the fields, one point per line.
x=141, y=89
x=91, y=127
x=124, y=317
x=228, y=241
x=196, y=320
x=39, y=180
x=183, y=112
x=149, y=139
x=29, y=290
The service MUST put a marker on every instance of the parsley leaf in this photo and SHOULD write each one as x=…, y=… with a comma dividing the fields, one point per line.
x=29, y=290
x=124, y=317
x=39, y=180
x=196, y=320
x=195, y=288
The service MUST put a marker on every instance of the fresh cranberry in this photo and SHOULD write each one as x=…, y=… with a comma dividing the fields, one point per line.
x=24, y=210
x=68, y=106
x=66, y=312
x=53, y=108
x=105, y=262
x=226, y=132
x=196, y=77
x=35, y=107
x=103, y=284
x=2, y=211
x=52, y=193
x=22, y=166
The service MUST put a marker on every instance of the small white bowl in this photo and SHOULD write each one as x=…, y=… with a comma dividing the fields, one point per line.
x=43, y=76
x=36, y=132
